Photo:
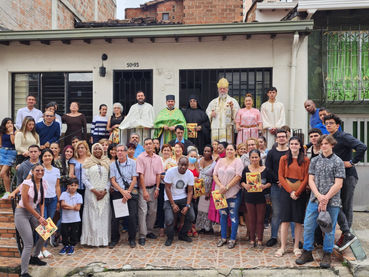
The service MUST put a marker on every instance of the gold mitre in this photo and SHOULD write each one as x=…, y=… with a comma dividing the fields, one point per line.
x=223, y=83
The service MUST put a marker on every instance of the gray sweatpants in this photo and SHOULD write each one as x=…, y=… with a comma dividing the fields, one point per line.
x=25, y=223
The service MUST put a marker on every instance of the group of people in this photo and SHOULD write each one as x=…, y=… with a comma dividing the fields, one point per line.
x=155, y=178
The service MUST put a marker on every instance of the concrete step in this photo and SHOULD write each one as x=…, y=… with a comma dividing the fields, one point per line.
x=7, y=230
x=6, y=215
x=9, y=248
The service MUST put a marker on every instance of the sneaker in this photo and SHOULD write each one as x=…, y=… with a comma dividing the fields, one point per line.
x=46, y=254
x=185, y=238
x=305, y=257
x=6, y=195
x=326, y=261
x=36, y=261
x=271, y=242
x=70, y=250
x=40, y=256
x=64, y=250
x=348, y=239
x=338, y=244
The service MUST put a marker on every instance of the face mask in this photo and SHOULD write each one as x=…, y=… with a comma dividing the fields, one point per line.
x=192, y=160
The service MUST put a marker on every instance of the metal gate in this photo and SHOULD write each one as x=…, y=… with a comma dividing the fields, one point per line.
x=203, y=84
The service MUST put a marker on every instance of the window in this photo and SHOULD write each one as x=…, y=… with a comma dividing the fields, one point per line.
x=347, y=72
x=203, y=83
x=61, y=87
x=165, y=16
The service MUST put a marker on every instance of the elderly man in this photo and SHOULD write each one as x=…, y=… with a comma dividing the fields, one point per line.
x=140, y=118
x=178, y=200
x=222, y=112
x=167, y=120
x=30, y=110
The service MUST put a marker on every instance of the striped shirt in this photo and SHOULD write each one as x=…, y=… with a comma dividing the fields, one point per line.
x=98, y=127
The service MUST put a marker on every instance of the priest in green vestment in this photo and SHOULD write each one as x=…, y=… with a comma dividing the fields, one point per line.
x=167, y=120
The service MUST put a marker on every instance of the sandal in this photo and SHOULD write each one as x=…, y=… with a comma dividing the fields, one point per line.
x=279, y=253
x=297, y=252
x=221, y=242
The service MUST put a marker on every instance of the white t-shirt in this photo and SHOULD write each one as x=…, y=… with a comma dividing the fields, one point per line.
x=179, y=183
x=51, y=176
x=71, y=216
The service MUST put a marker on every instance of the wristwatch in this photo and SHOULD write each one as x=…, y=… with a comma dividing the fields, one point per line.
x=188, y=205
x=352, y=163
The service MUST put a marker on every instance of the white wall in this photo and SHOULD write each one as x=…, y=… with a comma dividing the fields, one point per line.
x=165, y=57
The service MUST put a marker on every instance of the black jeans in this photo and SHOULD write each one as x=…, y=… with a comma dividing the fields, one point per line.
x=345, y=216
x=170, y=217
x=69, y=232
x=132, y=218
x=160, y=210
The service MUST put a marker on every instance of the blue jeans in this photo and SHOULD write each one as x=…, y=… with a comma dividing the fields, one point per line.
x=50, y=207
x=232, y=211
x=310, y=225
x=275, y=192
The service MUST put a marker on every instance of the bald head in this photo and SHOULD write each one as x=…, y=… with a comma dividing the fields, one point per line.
x=310, y=106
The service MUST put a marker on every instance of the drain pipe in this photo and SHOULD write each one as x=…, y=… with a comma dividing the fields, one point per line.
x=291, y=113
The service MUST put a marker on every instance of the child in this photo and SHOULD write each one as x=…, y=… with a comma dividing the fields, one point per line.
x=71, y=202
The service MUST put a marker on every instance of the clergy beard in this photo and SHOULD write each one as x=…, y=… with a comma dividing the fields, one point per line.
x=223, y=96
x=170, y=108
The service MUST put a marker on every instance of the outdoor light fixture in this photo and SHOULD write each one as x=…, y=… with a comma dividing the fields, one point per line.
x=102, y=68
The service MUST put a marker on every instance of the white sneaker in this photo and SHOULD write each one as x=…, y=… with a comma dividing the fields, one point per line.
x=40, y=256
x=6, y=195
x=46, y=254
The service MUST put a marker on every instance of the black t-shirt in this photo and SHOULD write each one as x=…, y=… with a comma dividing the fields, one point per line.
x=256, y=197
x=272, y=163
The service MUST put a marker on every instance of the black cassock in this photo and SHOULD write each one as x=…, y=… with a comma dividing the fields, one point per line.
x=203, y=136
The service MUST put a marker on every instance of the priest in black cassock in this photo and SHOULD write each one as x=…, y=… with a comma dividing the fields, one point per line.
x=198, y=124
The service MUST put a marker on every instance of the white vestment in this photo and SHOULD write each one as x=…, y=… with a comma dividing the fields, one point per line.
x=273, y=116
x=223, y=125
x=140, y=119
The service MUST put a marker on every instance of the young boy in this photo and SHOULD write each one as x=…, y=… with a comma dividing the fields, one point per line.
x=71, y=202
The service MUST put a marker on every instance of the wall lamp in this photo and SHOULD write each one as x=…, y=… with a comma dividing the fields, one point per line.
x=102, y=68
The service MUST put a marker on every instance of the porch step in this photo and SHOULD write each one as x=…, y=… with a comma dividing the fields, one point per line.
x=6, y=215
x=5, y=204
x=7, y=230
x=9, y=248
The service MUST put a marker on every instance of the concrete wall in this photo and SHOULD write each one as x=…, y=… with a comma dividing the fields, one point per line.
x=166, y=58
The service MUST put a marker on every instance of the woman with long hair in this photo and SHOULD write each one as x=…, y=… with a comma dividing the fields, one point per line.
x=26, y=137
x=112, y=152
x=76, y=124
x=7, y=152
x=27, y=217
x=293, y=176
x=227, y=176
x=255, y=201
x=248, y=121
x=52, y=193
x=206, y=167
x=96, y=214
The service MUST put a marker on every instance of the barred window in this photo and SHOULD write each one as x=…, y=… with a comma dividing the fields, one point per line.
x=61, y=87
x=347, y=72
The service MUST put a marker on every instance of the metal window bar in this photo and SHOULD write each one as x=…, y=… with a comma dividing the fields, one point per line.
x=347, y=67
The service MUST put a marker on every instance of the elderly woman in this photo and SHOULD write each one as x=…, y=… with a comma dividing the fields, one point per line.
x=248, y=121
x=96, y=214
x=227, y=176
x=76, y=124
x=114, y=122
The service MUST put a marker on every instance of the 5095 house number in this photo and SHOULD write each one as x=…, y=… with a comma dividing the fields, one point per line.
x=136, y=64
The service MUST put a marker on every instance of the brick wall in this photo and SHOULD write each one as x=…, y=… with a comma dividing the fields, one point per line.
x=212, y=11
x=37, y=14
x=192, y=11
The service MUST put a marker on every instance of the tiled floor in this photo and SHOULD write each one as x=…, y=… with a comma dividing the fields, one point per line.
x=201, y=253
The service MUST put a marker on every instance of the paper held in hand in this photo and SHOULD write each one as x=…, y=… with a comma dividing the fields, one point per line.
x=254, y=180
x=120, y=208
x=46, y=231
x=220, y=202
